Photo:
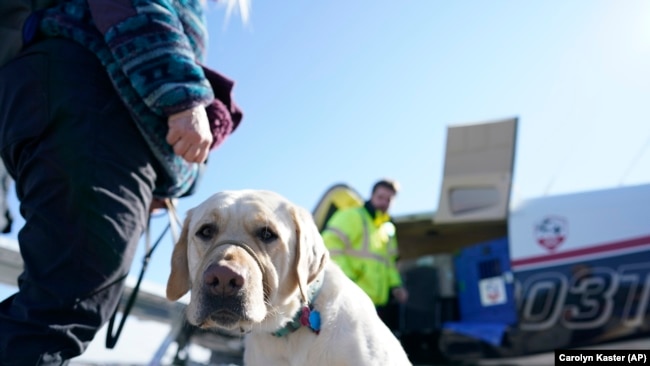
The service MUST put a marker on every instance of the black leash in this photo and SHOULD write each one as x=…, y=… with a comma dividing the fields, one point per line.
x=111, y=338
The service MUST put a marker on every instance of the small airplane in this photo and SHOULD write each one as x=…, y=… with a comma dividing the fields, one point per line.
x=506, y=280
x=488, y=278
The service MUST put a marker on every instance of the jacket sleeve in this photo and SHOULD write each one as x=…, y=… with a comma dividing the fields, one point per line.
x=394, y=277
x=158, y=47
x=343, y=230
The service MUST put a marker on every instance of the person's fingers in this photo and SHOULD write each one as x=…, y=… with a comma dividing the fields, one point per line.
x=192, y=154
x=202, y=155
x=173, y=135
x=181, y=147
x=189, y=135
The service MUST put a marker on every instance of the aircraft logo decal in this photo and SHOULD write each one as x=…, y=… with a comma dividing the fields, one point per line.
x=492, y=291
x=551, y=231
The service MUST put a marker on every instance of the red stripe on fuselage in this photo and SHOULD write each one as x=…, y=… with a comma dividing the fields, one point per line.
x=588, y=251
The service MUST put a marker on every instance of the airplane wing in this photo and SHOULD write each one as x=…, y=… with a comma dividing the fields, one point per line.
x=11, y=264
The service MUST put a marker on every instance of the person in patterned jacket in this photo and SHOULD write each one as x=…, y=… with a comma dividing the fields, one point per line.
x=106, y=111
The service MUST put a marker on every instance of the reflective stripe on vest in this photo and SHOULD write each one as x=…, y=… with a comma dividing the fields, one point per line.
x=392, y=251
x=364, y=252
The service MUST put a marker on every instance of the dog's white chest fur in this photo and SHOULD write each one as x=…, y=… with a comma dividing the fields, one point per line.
x=351, y=333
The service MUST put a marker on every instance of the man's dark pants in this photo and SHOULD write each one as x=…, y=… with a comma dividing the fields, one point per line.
x=84, y=178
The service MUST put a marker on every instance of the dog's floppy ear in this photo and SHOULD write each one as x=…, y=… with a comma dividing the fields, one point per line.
x=311, y=253
x=178, y=283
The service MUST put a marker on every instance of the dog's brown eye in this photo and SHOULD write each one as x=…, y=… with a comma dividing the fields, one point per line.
x=266, y=235
x=207, y=231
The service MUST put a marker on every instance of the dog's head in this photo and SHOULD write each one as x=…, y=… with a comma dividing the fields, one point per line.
x=247, y=257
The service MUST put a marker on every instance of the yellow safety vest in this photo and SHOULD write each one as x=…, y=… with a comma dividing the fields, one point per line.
x=366, y=251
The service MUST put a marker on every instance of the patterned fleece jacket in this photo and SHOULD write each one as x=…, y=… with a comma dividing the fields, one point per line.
x=152, y=51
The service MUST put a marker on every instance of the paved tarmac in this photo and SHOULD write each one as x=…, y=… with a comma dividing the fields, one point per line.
x=542, y=359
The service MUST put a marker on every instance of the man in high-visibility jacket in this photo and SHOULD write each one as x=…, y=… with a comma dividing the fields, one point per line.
x=362, y=242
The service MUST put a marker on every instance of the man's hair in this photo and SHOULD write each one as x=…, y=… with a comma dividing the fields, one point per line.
x=386, y=183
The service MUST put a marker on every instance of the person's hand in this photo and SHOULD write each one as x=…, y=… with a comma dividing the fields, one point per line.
x=401, y=294
x=157, y=205
x=189, y=134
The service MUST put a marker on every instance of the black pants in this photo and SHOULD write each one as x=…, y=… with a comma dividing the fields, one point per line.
x=389, y=313
x=84, y=178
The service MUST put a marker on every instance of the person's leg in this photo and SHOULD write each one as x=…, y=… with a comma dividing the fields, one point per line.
x=389, y=313
x=84, y=178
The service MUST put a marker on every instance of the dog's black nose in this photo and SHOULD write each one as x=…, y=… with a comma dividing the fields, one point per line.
x=222, y=280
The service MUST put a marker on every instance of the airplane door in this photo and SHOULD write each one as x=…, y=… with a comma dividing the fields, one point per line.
x=485, y=283
x=477, y=177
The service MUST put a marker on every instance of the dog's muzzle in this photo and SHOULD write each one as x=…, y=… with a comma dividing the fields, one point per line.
x=248, y=250
x=223, y=298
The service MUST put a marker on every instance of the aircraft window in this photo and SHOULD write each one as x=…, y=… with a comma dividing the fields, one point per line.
x=465, y=200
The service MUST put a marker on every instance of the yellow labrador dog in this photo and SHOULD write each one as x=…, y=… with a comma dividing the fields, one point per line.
x=255, y=263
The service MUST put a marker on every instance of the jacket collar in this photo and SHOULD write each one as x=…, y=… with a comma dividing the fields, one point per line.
x=370, y=209
x=378, y=218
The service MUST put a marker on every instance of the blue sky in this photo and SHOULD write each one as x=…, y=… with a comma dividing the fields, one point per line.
x=350, y=91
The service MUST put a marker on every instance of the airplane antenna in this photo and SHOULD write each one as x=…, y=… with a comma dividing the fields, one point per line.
x=635, y=161
x=569, y=155
x=557, y=172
